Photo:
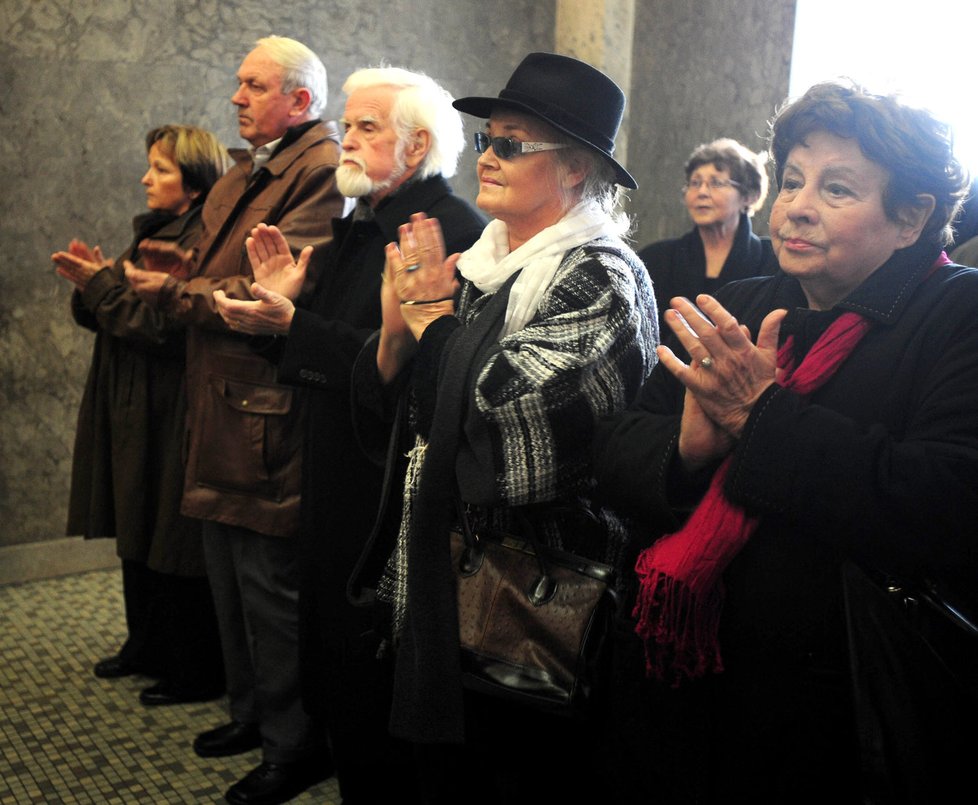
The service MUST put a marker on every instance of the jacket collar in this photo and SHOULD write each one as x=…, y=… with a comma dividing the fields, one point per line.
x=745, y=252
x=882, y=297
x=397, y=208
x=304, y=136
x=417, y=194
x=886, y=292
x=165, y=223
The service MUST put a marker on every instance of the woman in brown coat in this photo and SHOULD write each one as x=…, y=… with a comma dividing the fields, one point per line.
x=127, y=473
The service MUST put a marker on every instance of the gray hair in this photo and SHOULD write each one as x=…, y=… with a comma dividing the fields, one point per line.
x=746, y=168
x=300, y=68
x=421, y=103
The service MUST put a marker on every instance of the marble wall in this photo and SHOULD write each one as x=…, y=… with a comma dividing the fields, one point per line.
x=82, y=81
x=701, y=69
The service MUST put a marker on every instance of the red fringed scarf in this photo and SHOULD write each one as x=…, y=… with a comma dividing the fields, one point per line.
x=680, y=590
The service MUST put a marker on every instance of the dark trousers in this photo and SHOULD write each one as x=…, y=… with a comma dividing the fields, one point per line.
x=172, y=628
x=254, y=579
x=348, y=676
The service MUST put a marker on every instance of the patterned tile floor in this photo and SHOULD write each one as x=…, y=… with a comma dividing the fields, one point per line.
x=68, y=737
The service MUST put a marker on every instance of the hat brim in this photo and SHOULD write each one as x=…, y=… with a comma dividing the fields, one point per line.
x=482, y=107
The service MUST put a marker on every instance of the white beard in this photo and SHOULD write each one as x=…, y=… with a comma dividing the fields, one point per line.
x=353, y=181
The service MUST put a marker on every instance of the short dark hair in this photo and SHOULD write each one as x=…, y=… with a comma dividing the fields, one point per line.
x=745, y=167
x=197, y=152
x=915, y=148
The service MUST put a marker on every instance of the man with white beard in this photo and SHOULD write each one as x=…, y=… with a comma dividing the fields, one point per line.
x=403, y=137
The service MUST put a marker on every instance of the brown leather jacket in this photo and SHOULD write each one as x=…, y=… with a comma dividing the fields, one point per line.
x=244, y=430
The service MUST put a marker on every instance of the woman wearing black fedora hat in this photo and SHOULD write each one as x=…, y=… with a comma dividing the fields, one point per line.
x=509, y=354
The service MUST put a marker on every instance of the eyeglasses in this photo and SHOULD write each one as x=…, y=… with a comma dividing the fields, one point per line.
x=507, y=147
x=711, y=184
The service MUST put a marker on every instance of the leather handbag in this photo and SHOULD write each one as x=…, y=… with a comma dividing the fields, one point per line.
x=533, y=620
x=914, y=659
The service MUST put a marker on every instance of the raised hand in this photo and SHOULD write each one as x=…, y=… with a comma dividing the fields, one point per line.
x=165, y=257
x=77, y=270
x=701, y=440
x=422, y=277
x=727, y=373
x=272, y=263
x=81, y=250
x=146, y=284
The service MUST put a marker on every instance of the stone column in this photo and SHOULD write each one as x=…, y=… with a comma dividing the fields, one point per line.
x=601, y=32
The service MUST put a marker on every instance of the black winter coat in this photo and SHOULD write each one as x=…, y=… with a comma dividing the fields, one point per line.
x=677, y=266
x=127, y=467
x=340, y=485
x=879, y=465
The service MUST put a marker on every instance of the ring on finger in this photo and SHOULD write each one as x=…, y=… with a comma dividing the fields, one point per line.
x=412, y=267
x=706, y=362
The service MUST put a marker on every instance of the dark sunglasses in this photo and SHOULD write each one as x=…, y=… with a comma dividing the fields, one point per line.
x=507, y=147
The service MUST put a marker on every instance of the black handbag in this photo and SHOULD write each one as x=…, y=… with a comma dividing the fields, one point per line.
x=533, y=620
x=914, y=660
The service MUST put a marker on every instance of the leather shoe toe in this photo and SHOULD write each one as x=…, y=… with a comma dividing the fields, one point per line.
x=228, y=739
x=113, y=668
x=274, y=783
x=163, y=693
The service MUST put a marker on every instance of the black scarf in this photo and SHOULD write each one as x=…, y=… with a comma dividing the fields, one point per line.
x=428, y=706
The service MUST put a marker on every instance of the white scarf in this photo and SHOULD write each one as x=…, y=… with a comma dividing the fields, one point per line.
x=489, y=263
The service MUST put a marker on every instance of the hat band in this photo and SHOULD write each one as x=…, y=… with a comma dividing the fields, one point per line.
x=565, y=120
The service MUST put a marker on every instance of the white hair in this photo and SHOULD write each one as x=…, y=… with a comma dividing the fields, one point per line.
x=300, y=68
x=420, y=103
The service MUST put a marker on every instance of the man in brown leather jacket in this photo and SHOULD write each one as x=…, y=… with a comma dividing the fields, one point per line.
x=244, y=430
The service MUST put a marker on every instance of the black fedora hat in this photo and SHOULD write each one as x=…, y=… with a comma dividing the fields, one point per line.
x=570, y=95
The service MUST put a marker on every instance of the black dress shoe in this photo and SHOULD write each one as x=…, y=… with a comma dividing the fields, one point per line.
x=228, y=739
x=166, y=693
x=114, y=667
x=274, y=783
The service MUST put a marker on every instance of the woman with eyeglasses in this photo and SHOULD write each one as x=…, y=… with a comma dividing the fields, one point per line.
x=726, y=183
x=510, y=352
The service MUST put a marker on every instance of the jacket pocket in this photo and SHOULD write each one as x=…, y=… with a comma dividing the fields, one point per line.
x=249, y=437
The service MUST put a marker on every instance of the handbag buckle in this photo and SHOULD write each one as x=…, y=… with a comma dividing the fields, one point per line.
x=542, y=590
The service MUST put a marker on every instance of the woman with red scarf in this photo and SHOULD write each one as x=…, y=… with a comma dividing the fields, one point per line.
x=827, y=419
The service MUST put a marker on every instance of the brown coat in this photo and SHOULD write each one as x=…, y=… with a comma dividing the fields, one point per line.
x=127, y=471
x=244, y=430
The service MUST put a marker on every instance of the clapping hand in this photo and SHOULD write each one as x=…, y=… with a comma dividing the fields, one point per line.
x=79, y=263
x=272, y=263
x=726, y=375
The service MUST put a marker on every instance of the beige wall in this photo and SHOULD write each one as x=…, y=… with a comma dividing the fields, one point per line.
x=82, y=82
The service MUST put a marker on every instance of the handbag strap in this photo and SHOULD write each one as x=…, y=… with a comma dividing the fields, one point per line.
x=544, y=586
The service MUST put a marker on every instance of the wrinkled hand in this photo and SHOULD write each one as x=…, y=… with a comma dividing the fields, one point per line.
x=269, y=314
x=272, y=263
x=426, y=291
x=146, y=284
x=397, y=343
x=165, y=257
x=392, y=322
x=701, y=440
x=431, y=280
x=737, y=371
